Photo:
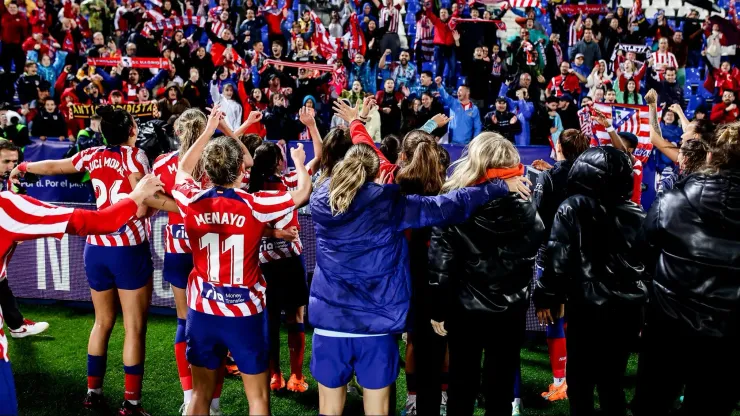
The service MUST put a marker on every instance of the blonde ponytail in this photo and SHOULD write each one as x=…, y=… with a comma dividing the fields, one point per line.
x=487, y=150
x=359, y=165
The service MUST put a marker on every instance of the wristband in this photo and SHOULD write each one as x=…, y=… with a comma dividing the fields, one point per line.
x=610, y=129
x=23, y=167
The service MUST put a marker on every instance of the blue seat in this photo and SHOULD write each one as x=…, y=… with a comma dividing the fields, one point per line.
x=461, y=80
x=694, y=103
x=427, y=66
x=702, y=92
x=693, y=76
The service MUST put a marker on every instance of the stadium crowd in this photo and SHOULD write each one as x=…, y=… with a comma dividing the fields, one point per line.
x=406, y=242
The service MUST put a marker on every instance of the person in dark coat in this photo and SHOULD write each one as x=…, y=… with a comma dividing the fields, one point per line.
x=568, y=112
x=594, y=268
x=692, y=334
x=502, y=121
x=49, y=122
x=479, y=275
x=390, y=112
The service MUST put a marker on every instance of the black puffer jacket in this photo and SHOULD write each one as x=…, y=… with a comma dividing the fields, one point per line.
x=592, y=256
x=694, y=233
x=484, y=265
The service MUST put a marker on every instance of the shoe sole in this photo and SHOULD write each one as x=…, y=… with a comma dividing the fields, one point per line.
x=295, y=390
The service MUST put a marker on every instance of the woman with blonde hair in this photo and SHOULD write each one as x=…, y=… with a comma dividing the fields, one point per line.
x=479, y=276
x=361, y=289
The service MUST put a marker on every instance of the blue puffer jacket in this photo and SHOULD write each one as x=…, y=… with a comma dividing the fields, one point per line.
x=362, y=283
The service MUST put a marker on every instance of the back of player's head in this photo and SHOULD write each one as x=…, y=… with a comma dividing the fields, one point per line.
x=266, y=158
x=572, y=143
x=190, y=125
x=223, y=159
x=630, y=139
x=116, y=124
x=359, y=165
x=336, y=144
x=251, y=142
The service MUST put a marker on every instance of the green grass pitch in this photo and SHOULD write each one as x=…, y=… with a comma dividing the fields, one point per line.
x=50, y=371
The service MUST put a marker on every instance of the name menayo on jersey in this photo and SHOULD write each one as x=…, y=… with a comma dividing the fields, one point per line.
x=220, y=218
x=106, y=162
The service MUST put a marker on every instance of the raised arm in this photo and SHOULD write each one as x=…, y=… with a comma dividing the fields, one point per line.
x=454, y=207
x=308, y=118
x=303, y=191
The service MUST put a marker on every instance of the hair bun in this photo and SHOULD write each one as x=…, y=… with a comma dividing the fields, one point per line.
x=112, y=115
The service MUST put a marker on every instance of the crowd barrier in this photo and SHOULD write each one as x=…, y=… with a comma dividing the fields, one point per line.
x=53, y=269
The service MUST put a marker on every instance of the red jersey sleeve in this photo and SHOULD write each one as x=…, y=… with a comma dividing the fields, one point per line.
x=359, y=135
x=81, y=159
x=136, y=161
x=269, y=206
x=184, y=193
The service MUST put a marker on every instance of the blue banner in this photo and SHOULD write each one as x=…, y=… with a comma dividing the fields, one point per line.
x=56, y=188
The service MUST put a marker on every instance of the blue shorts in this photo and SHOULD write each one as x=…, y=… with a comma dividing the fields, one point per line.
x=127, y=268
x=373, y=359
x=8, y=402
x=177, y=268
x=210, y=338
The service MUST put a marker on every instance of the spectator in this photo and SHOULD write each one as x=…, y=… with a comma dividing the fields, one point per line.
x=226, y=99
x=523, y=107
x=14, y=31
x=388, y=105
x=173, y=105
x=402, y=72
x=599, y=77
x=588, y=47
x=430, y=107
x=478, y=73
x=721, y=79
x=669, y=90
x=502, y=121
x=465, y=120
x=195, y=90
x=579, y=66
x=49, y=122
x=568, y=82
x=663, y=59
x=630, y=95
x=363, y=71
x=390, y=21
x=725, y=111
x=274, y=118
x=568, y=113
x=28, y=83
x=553, y=56
x=556, y=124
x=444, y=51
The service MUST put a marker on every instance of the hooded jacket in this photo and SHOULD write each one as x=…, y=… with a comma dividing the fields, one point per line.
x=592, y=257
x=49, y=124
x=692, y=234
x=362, y=283
x=484, y=265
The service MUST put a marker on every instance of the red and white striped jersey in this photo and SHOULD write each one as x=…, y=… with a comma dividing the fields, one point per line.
x=276, y=248
x=110, y=168
x=175, y=238
x=390, y=18
x=23, y=218
x=574, y=35
x=225, y=227
x=664, y=60
x=637, y=182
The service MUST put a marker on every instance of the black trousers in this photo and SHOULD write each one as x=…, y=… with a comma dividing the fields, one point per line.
x=706, y=367
x=429, y=356
x=393, y=42
x=599, y=342
x=501, y=337
x=11, y=52
x=11, y=312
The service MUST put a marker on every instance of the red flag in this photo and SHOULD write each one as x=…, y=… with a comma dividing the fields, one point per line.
x=326, y=45
x=633, y=119
x=732, y=14
x=358, y=36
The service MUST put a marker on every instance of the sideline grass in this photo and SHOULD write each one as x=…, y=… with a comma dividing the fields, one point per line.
x=50, y=371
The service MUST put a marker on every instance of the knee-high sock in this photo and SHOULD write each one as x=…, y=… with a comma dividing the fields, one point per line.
x=297, y=347
x=556, y=347
x=518, y=383
x=221, y=373
x=183, y=367
x=96, y=365
x=274, y=334
x=133, y=376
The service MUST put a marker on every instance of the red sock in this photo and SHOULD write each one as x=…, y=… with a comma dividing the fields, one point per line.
x=219, y=382
x=297, y=347
x=133, y=376
x=183, y=367
x=558, y=356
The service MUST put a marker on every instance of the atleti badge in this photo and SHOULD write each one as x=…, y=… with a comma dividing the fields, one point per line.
x=626, y=119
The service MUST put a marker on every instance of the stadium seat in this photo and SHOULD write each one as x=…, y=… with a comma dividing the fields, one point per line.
x=693, y=76
x=650, y=12
x=702, y=92
x=658, y=4
x=461, y=80
x=427, y=66
x=676, y=4
x=626, y=3
x=694, y=103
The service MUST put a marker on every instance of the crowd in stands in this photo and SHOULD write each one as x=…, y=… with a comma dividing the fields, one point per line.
x=456, y=70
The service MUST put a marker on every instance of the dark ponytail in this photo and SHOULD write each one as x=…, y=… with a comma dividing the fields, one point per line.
x=116, y=124
x=421, y=172
x=266, y=159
